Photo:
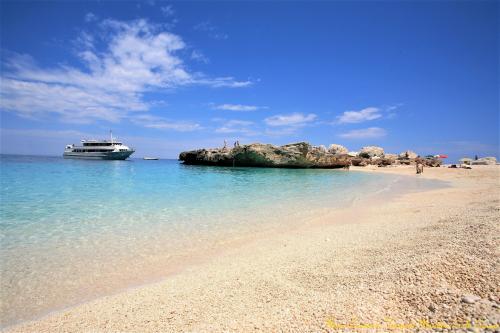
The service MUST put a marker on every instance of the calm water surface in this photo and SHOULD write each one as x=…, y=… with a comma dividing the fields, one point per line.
x=72, y=230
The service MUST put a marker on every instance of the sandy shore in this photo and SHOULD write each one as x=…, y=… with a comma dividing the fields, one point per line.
x=425, y=259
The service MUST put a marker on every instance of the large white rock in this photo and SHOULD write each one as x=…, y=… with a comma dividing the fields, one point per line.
x=408, y=154
x=371, y=151
x=485, y=161
x=392, y=157
x=322, y=148
x=337, y=149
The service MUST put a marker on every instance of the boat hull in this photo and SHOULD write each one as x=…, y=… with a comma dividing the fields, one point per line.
x=119, y=155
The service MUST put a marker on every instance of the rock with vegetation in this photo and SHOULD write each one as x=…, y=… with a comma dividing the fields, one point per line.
x=301, y=155
x=295, y=155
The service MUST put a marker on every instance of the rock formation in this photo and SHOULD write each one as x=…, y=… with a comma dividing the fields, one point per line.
x=428, y=162
x=338, y=149
x=485, y=161
x=302, y=155
x=295, y=155
x=408, y=154
x=371, y=151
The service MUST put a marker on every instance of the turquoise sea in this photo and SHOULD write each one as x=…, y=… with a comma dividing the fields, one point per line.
x=73, y=230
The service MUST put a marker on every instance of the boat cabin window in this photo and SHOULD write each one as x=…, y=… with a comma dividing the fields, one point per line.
x=97, y=143
x=90, y=150
x=101, y=144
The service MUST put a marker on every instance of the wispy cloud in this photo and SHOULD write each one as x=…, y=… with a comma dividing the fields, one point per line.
x=392, y=110
x=468, y=148
x=199, y=56
x=280, y=131
x=352, y=117
x=167, y=10
x=90, y=17
x=238, y=107
x=212, y=31
x=237, y=126
x=222, y=82
x=293, y=119
x=46, y=134
x=366, y=133
x=139, y=57
x=149, y=121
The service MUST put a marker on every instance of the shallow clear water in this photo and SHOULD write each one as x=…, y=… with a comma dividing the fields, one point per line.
x=72, y=230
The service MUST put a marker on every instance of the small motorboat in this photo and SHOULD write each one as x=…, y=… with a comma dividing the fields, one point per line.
x=150, y=158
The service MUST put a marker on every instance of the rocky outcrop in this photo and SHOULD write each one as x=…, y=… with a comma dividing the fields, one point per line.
x=408, y=154
x=371, y=151
x=295, y=155
x=338, y=149
x=485, y=161
x=391, y=157
x=360, y=161
x=302, y=155
x=429, y=162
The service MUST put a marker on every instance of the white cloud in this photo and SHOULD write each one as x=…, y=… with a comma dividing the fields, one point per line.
x=351, y=117
x=167, y=10
x=392, y=110
x=293, y=119
x=238, y=107
x=280, y=131
x=237, y=126
x=212, y=31
x=90, y=17
x=199, y=56
x=149, y=121
x=138, y=58
x=45, y=133
x=366, y=133
x=221, y=82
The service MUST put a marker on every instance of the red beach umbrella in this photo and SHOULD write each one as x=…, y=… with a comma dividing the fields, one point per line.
x=443, y=156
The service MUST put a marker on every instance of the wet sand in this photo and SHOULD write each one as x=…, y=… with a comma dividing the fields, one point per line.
x=426, y=259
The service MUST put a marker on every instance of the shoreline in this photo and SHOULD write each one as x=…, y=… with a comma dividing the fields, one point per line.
x=172, y=260
x=144, y=308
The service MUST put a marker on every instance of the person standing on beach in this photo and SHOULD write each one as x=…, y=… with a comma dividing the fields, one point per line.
x=420, y=167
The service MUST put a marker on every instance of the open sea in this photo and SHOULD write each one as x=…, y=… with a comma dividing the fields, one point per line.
x=74, y=230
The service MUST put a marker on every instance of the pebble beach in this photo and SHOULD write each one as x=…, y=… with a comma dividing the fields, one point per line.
x=424, y=260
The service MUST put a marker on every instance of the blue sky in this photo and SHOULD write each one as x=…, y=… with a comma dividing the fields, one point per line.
x=170, y=76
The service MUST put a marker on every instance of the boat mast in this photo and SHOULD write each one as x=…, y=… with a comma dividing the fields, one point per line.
x=111, y=134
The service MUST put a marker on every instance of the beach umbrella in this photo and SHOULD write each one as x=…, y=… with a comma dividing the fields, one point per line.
x=443, y=156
